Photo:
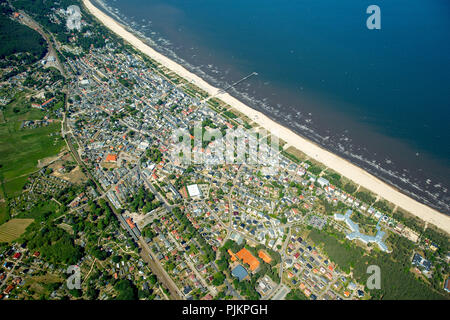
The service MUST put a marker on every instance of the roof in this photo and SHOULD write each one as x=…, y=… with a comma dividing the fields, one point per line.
x=248, y=258
x=239, y=272
x=263, y=255
x=130, y=223
x=111, y=157
x=233, y=257
x=193, y=190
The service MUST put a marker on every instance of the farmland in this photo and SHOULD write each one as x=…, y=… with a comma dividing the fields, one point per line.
x=13, y=229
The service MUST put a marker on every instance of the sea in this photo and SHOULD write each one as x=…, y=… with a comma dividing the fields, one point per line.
x=377, y=97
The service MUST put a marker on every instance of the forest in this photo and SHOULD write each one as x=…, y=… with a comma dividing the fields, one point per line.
x=397, y=282
x=16, y=38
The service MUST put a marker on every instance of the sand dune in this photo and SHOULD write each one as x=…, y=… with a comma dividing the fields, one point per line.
x=311, y=149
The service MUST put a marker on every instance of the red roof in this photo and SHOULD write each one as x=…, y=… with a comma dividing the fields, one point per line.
x=111, y=157
x=9, y=289
x=130, y=223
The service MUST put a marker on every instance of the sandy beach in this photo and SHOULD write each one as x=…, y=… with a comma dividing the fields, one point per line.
x=312, y=150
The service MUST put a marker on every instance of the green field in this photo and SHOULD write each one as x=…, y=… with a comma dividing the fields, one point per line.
x=13, y=229
x=40, y=211
x=3, y=212
x=20, y=149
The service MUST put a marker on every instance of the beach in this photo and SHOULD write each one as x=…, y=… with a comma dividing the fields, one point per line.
x=312, y=150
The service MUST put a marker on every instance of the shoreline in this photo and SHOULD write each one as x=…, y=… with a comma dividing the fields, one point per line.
x=311, y=149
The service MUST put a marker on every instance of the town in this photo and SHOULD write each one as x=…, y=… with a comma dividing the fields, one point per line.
x=141, y=223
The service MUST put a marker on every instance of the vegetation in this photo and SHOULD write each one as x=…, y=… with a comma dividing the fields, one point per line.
x=22, y=148
x=190, y=232
x=13, y=229
x=143, y=200
x=396, y=280
x=230, y=114
x=126, y=290
x=54, y=244
x=296, y=295
x=16, y=37
x=316, y=170
x=334, y=178
x=154, y=155
x=365, y=197
x=350, y=188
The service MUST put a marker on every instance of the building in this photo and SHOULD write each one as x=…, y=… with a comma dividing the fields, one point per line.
x=263, y=255
x=239, y=272
x=236, y=237
x=323, y=182
x=420, y=261
x=356, y=234
x=248, y=258
x=111, y=158
x=194, y=191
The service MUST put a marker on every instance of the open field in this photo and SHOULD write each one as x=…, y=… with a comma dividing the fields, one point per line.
x=2, y=194
x=42, y=285
x=40, y=211
x=20, y=149
x=3, y=212
x=14, y=186
x=13, y=229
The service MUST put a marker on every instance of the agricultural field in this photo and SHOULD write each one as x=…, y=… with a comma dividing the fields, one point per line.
x=13, y=229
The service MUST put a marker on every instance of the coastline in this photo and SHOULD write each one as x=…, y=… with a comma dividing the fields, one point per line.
x=312, y=150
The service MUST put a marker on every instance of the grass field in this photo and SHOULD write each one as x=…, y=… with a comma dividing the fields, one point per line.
x=39, y=211
x=14, y=187
x=20, y=149
x=3, y=212
x=2, y=195
x=13, y=229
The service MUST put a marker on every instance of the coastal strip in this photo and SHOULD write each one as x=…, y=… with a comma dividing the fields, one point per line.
x=312, y=150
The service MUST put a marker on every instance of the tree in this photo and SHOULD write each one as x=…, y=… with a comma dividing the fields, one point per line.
x=218, y=279
x=126, y=290
x=99, y=254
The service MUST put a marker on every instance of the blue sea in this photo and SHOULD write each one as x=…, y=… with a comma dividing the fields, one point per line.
x=379, y=98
